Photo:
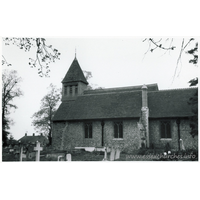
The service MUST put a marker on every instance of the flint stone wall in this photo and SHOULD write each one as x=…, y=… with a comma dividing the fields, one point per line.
x=74, y=135
x=155, y=134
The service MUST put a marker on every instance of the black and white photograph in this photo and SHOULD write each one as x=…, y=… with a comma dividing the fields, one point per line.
x=100, y=99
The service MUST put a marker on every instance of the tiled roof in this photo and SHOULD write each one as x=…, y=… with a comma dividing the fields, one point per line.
x=74, y=73
x=127, y=104
x=33, y=139
x=111, y=105
x=170, y=103
x=62, y=111
x=151, y=87
x=12, y=142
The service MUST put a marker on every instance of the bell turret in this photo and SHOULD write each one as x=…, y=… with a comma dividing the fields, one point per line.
x=74, y=82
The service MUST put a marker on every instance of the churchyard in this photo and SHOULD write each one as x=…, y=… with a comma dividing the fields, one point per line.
x=38, y=153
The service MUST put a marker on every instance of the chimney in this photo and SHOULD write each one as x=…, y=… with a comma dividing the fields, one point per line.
x=41, y=134
x=145, y=113
x=25, y=134
x=144, y=97
x=33, y=134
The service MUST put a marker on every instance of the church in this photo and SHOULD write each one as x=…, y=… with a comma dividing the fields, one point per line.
x=124, y=117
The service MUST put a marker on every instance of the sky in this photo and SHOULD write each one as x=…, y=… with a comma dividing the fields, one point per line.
x=113, y=61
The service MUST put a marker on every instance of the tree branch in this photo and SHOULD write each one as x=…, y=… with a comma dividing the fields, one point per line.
x=158, y=44
x=44, y=56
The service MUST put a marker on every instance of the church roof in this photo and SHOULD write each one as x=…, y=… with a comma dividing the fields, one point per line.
x=170, y=103
x=151, y=87
x=102, y=106
x=62, y=111
x=74, y=73
x=126, y=104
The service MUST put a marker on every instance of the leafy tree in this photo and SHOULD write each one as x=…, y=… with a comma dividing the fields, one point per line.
x=11, y=138
x=42, y=120
x=90, y=86
x=193, y=101
x=87, y=74
x=10, y=90
x=45, y=54
x=12, y=141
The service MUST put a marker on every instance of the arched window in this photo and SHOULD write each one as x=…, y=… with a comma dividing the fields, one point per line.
x=118, y=129
x=165, y=128
x=88, y=130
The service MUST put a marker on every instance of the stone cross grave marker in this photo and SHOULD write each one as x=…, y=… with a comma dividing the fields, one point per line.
x=69, y=157
x=117, y=154
x=38, y=149
x=112, y=154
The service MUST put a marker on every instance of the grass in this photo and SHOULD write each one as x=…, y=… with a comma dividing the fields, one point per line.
x=141, y=155
x=82, y=156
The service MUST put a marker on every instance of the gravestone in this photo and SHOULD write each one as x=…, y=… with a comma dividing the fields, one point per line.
x=21, y=153
x=117, y=154
x=60, y=158
x=68, y=157
x=38, y=149
x=112, y=154
x=108, y=149
x=182, y=145
x=105, y=154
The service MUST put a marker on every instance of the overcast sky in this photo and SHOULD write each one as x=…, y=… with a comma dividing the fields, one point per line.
x=113, y=61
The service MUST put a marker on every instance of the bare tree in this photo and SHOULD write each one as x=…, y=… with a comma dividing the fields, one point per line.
x=10, y=90
x=154, y=44
x=45, y=54
x=167, y=45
